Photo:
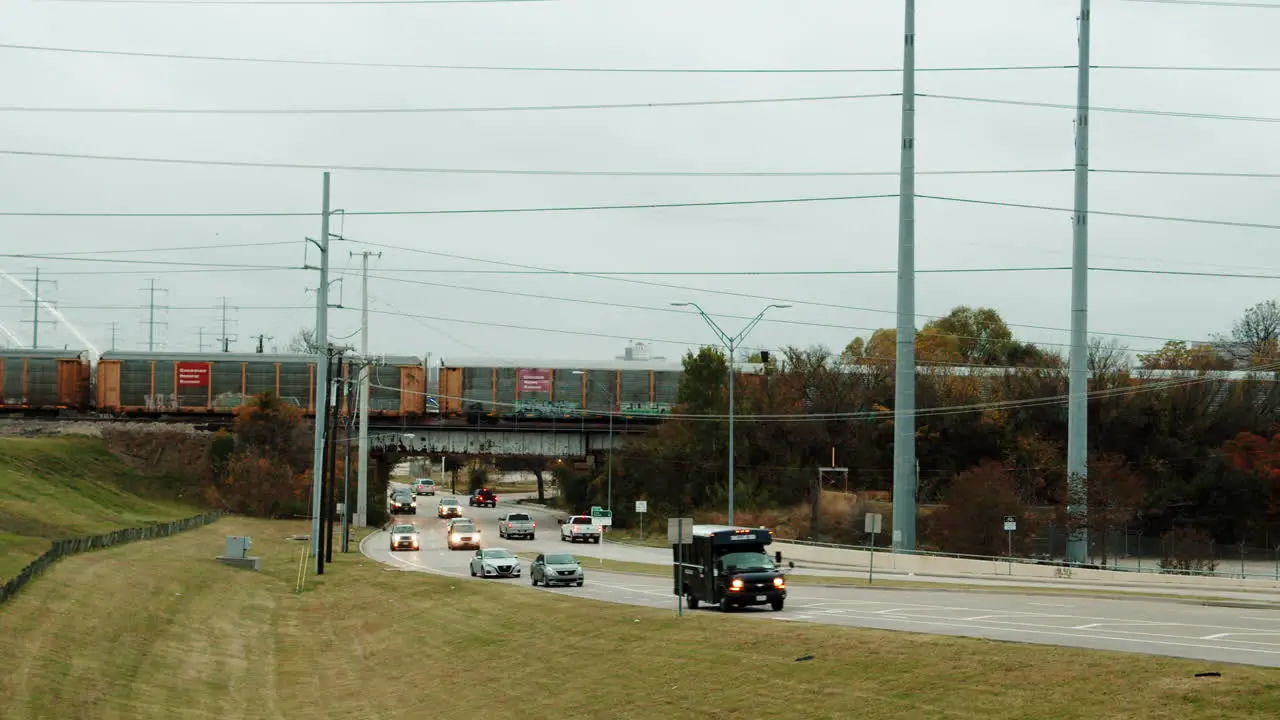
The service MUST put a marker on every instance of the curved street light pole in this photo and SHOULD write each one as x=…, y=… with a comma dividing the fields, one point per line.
x=731, y=344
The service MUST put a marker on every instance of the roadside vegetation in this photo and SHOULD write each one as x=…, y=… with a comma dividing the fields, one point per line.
x=54, y=488
x=193, y=638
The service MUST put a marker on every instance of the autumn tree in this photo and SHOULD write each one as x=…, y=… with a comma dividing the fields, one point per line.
x=264, y=470
x=1258, y=457
x=975, y=506
x=304, y=342
x=1176, y=355
x=1115, y=495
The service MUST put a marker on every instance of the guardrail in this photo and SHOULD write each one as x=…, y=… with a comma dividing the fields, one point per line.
x=811, y=554
x=72, y=546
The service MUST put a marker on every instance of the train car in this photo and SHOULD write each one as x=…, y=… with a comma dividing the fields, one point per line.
x=142, y=383
x=44, y=380
x=560, y=389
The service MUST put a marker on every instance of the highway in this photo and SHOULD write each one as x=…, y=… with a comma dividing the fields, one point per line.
x=1153, y=626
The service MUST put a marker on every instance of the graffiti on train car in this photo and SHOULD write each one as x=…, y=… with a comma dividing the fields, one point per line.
x=645, y=408
x=161, y=401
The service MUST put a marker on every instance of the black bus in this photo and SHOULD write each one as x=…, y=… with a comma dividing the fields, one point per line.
x=729, y=567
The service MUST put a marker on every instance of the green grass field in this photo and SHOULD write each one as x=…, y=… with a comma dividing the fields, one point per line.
x=52, y=488
x=184, y=636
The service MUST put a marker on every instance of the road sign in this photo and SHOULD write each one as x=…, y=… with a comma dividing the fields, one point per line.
x=602, y=516
x=873, y=522
x=642, y=506
x=1010, y=524
x=680, y=530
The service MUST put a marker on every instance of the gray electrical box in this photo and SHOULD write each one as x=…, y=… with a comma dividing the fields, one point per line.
x=237, y=546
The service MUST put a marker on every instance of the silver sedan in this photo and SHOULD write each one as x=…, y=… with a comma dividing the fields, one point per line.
x=495, y=562
x=556, y=569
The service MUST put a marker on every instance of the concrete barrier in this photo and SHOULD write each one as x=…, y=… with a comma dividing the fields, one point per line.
x=851, y=558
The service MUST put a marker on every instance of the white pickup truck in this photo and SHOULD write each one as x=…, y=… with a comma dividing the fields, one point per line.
x=516, y=524
x=579, y=527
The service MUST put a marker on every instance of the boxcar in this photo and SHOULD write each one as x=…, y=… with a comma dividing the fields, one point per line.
x=44, y=380
x=557, y=389
x=139, y=383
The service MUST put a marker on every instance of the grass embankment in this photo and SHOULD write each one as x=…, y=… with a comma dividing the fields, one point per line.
x=52, y=488
x=183, y=636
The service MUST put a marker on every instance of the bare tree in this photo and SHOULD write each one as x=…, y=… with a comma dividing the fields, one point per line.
x=1108, y=356
x=1256, y=333
x=304, y=342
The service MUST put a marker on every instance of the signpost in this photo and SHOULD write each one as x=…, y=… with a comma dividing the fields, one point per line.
x=679, y=533
x=872, y=523
x=1010, y=524
x=641, y=507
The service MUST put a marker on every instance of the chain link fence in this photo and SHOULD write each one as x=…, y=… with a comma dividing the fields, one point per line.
x=71, y=546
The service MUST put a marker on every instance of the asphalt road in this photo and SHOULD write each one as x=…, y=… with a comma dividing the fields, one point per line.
x=1156, y=627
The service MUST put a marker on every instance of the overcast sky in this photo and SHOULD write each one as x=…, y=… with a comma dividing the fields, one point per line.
x=841, y=135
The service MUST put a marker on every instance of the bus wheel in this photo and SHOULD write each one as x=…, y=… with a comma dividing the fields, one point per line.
x=776, y=605
x=724, y=604
x=691, y=601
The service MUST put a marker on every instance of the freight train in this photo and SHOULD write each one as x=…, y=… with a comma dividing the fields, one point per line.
x=144, y=384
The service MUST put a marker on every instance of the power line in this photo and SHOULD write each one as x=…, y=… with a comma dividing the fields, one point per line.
x=478, y=211
x=1212, y=3
x=651, y=308
x=385, y=111
x=177, y=263
x=502, y=171
x=1095, y=108
x=1138, y=216
x=70, y=254
x=172, y=308
x=589, y=69
x=278, y=3
x=726, y=293
x=519, y=68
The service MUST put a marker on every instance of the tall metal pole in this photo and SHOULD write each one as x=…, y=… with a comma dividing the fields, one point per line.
x=904, y=385
x=322, y=369
x=362, y=492
x=332, y=461
x=325, y=474
x=613, y=406
x=346, y=481
x=151, y=319
x=35, y=314
x=1078, y=388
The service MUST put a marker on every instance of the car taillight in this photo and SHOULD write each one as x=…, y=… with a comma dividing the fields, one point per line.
x=534, y=524
x=508, y=526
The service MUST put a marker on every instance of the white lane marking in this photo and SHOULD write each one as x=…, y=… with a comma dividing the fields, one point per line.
x=1241, y=634
x=1026, y=615
x=1052, y=605
x=1077, y=636
x=1134, y=623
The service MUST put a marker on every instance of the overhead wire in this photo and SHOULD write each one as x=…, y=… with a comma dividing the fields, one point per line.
x=1106, y=213
x=420, y=110
x=476, y=211
x=591, y=69
x=774, y=320
x=1100, y=108
x=726, y=293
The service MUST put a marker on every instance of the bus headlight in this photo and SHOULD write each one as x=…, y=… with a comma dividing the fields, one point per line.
x=779, y=583
x=735, y=584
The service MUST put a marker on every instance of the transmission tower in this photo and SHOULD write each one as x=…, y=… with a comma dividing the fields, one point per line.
x=226, y=339
x=36, y=301
x=115, y=332
x=151, y=307
x=261, y=339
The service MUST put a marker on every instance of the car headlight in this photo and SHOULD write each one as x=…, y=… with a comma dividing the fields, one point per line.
x=736, y=584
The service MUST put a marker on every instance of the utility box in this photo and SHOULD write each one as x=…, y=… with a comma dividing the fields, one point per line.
x=237, y=546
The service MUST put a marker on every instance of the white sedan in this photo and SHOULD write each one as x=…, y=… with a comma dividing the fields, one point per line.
x=495, y=562
x=404, y=537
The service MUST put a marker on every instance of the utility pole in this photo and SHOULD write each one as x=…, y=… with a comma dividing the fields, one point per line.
x=1078, y=384
x=362, y=491
x=904, y=383
x=261, y=338
x=201, y=334
x=346, y=480
x=323, y=470
x=115, y=329
x=330, y=475
x=36, y=301
x=151, y=321
x=322, y=373
x=225, y=339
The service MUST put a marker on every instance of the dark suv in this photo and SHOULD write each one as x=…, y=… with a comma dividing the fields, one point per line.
x=402, y=501
x=484, y=498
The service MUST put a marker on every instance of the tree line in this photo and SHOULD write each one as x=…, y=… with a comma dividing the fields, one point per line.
x=1192, y=458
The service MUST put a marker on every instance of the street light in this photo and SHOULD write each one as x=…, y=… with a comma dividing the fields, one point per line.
x=612, y=402
x=731, y=343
